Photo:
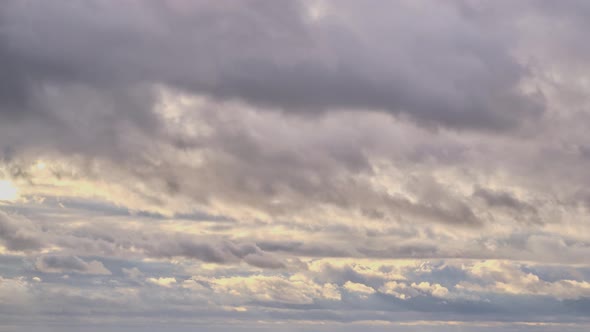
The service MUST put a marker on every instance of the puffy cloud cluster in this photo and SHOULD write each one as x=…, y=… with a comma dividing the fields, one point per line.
x=500, y=277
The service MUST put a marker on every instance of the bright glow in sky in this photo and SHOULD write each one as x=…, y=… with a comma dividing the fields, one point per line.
x=8, y=192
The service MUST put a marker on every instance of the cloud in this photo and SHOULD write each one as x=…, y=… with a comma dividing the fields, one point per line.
x=352, y=165
x=303, y=65
x=162, y=281
x=15, y=294
x=296, y=289
x=502, y=277
x=222, y=253
x=70, y=264
x=406, y=291
x=18, y=234
x=133, y=273
x=358, y=288
x=503, y=200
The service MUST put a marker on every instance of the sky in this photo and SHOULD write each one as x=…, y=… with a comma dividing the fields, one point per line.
x=318, y=165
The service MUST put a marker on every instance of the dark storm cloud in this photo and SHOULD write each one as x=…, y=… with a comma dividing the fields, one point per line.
x=446, y=69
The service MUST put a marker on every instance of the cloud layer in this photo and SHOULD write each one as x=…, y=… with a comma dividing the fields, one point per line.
x=310, y=165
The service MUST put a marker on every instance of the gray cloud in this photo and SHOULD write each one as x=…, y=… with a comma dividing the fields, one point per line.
x=223, y=253
x=197, y=162
x=101, y=106
x=276, y=56
x=502, y=199
x=69, y=264
x=517, y=209
x=19, y=234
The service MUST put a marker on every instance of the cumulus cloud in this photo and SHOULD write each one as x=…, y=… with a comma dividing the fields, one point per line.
x=404, y=291
x=296, y=289
x=502, y=277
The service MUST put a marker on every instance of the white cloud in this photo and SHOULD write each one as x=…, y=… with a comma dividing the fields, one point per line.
x=358, y=288
x=296, y=289
x=162, y=281
x=405, y=291
x=509, y=278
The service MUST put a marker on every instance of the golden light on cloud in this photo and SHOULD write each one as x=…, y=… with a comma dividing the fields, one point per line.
x=8, y=192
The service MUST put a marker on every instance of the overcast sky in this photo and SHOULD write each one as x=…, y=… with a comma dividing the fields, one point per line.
x=320, y=165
